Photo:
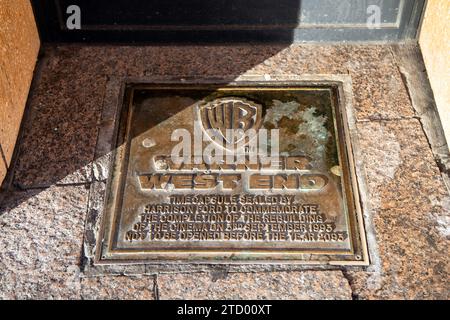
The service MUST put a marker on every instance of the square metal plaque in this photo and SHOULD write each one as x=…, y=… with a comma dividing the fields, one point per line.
x=243, y=172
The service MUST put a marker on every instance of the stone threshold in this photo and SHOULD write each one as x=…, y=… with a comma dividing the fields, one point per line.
x=64, y=149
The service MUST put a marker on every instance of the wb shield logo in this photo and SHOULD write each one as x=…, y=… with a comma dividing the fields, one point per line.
x=230, y=119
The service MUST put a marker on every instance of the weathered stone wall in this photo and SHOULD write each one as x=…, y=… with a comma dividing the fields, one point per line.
x=435, y=44
x=19, y=46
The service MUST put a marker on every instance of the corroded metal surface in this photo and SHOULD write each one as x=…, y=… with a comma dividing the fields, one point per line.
x=299, y=208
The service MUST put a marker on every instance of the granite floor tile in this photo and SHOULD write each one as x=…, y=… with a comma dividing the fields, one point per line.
x=59, y=139
x=379, y=93
x=208, y=61
x=41, y=242
x=46, y=286
x=61, y=158
x=118, y=288
x=304, y=285
x=76, y=60
x=410, y=215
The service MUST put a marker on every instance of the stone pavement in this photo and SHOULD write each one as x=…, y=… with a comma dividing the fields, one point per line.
x=48, y=204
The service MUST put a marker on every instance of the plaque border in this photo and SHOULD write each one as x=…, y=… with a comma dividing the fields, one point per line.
x=341, y=88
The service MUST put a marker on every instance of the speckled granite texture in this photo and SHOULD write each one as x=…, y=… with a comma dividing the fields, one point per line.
x=59, y=172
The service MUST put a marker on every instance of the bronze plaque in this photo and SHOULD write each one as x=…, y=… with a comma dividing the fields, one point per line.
x=235, y=173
